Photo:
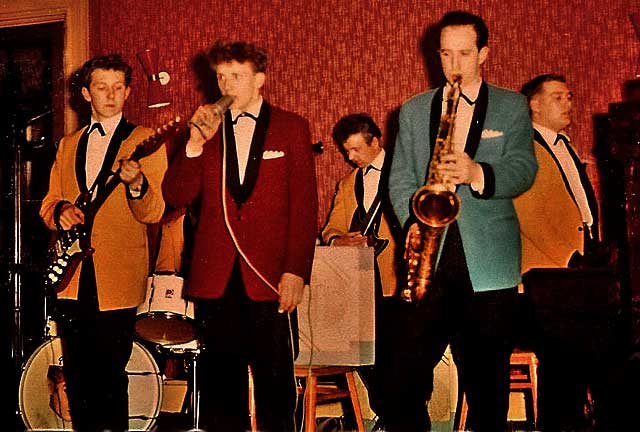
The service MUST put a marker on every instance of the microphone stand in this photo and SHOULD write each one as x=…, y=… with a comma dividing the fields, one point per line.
x=16, y=267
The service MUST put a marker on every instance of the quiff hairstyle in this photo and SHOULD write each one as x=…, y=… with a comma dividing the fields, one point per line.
x=222, y=52
x=107, y=62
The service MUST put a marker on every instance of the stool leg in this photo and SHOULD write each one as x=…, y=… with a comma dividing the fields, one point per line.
x=534, y=387
x=310, y=404
x=353, y=392
x=252, y=404
x=463, y=414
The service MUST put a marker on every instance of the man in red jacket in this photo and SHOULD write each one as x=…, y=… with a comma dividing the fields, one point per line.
x=252, y=175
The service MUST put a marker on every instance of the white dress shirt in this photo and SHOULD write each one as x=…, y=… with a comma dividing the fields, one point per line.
x=569, y=168
x=97, y=146
x=243, y=130
x=464, y=115
x=371, y=179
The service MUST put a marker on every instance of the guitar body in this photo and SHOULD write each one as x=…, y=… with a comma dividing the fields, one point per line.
x=70, y=249
x=73, y=246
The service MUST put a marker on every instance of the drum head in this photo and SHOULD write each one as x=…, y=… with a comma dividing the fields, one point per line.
x=42, y=402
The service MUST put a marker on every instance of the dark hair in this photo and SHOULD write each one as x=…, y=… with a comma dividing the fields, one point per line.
x=106, y=62
x=353, y=124
x=533, y=87
x=462, y=18
x=241, y=52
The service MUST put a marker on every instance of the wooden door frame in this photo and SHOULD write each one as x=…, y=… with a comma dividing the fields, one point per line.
x=74, y=14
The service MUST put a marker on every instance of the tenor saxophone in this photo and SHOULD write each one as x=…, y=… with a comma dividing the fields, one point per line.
x=435, y=205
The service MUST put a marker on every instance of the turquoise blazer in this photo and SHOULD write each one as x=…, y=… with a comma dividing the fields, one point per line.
x=501, y=140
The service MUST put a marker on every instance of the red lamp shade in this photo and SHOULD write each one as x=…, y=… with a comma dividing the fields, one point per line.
x=156, y=95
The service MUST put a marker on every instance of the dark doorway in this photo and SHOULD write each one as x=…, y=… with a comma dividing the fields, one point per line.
x=31, y=123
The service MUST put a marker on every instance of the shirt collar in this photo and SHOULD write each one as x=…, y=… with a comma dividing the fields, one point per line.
x=378, y=161
x=109, y=125
x=253, y=109
x=548, y=134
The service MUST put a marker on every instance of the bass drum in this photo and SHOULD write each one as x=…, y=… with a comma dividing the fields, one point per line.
x=43, y=401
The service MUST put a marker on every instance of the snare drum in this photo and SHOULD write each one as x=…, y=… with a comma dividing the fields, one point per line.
x=43, y=400
x=165, y=317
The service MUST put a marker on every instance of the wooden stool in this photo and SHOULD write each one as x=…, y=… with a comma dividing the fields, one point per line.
x=315, y=393
x=523, y=376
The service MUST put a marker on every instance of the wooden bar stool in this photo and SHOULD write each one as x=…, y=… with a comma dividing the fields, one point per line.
x=315, y=393
x=523, y=376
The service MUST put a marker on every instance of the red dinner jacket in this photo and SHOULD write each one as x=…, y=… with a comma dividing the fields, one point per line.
x=276, y=227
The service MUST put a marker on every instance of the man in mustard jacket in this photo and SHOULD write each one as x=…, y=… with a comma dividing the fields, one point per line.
x=559, y=220
x=97, y=308
x=362, y=200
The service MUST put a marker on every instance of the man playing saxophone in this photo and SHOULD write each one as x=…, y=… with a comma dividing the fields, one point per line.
x=471, y=302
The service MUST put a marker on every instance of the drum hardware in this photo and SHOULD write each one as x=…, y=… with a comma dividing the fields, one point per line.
x=190, y=350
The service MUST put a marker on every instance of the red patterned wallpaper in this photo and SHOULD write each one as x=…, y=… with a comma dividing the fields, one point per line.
x=332, y=57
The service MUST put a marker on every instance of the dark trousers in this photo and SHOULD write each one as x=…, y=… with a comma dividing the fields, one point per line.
x=576, y=334
x=96, y=347
x=479, y=327
x=237, y=333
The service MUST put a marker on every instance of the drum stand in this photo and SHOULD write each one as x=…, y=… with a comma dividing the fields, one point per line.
x=193, y=392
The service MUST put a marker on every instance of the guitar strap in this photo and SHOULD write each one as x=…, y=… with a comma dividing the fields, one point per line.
x=372, y=215
x=122, y=132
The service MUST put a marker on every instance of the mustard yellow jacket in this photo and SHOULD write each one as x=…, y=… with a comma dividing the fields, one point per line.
x=119, y=234
x=550, y=222
x=339, y=221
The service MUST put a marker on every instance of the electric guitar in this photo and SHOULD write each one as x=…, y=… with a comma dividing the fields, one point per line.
x=74, y=245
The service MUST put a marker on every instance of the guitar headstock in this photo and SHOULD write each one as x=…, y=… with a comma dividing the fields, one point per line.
x=153, y=142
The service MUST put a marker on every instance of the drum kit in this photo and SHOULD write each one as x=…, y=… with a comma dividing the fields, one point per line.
x=165, y=319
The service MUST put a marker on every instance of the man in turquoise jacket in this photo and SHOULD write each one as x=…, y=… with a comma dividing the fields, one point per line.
x=472, y=302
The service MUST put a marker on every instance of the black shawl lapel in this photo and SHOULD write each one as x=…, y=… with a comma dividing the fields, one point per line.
x=122, y=132
x=584, y=179
x=81, y=158
x=434, y=122
x=477, y=121
x=233, y=174
x=241, y=192
x=257, y=148
x=588, y=189
x=539, y=138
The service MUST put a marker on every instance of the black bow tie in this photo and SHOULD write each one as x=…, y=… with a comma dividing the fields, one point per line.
x=466, y=98
x=97, y=126
x=369, y=168
x=244, y=114
x=562, y=138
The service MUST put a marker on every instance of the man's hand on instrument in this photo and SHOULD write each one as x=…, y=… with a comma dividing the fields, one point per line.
x=291, y=289
x=131, y=174
x=459, y=168
x=350, y=239
x=70, y=215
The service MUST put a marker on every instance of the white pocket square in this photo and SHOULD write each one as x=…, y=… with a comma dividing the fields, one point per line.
x=272, y=154
x=490, y=133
